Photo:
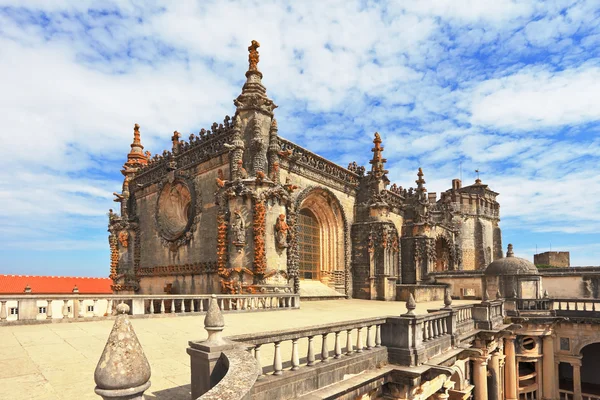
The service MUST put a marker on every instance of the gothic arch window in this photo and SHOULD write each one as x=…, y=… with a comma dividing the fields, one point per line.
x=309, y=241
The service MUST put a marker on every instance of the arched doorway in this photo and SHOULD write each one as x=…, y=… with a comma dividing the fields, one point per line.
x=442, y=253
x=590, y=365
x=321, y=238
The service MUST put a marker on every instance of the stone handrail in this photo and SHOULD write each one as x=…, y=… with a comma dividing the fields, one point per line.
x=72, y=306
x=241, y=374
x=368, y=336
x=562, y=304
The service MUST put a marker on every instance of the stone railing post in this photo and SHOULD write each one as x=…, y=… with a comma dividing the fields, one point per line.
x=207, y=371
x=123, y=372
x=49, y=310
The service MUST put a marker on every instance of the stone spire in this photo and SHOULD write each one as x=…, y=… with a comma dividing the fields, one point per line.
x=510, y=252
x=214, y=324
x=421, y=190
x=123, y=372
x=378, y=170
x=136, y=155
x=254, y=94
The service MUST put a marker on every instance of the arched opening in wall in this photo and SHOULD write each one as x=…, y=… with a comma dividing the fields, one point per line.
x=309, y=241
x=442, y=252
x=590, y=365
x=321, y=239
x=528, y=380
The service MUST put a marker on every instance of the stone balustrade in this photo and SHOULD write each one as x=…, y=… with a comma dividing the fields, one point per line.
x=29, y=307
x=559, y=307
x=336, y=341
x=570, y=395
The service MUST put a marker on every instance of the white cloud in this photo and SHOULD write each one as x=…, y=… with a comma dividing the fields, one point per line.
x=537, y=98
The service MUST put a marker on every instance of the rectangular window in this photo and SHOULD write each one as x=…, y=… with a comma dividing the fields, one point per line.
x=14, y=311
x=90, y=308
x=69, y=309
x=42, y=310
x=565, y=344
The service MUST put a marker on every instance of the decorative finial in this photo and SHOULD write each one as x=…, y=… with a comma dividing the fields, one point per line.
x=214, y=323
x=123, y=371
x=411, y=304
x=546, y=295
x=510, y=252
x=136, y=154
x=75, y=289
x=253, y=56
x=27, y=289
x=447, y=298
x=377, y=162
x=477, y=181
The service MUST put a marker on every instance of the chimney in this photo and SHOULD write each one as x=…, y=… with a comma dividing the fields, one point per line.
x=456, y=184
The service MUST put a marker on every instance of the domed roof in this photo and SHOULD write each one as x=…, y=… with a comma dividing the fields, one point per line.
x=511, y=265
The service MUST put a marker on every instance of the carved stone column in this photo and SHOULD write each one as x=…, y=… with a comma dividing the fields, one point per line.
x=548, y=373
x=495, y=381
x=576, y=380
x=510, y=369
x=480, y=377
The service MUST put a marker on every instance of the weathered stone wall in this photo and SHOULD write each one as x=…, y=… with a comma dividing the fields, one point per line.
x=554, y=258
x=202, y=245
x=181, y=284
x=461, y=287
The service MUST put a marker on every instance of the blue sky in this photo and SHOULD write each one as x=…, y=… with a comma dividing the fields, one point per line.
x=511, y=88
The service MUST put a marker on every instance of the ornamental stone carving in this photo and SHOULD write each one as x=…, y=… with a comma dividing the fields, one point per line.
x=281, y=230
x=174, y=208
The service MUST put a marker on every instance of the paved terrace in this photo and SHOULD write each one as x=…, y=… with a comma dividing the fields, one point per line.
x=57, y=361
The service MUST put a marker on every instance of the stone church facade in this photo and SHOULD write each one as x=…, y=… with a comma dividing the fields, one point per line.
x=239, y=209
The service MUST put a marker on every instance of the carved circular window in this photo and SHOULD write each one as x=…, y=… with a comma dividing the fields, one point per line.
x=529, y=343
x=174, y=213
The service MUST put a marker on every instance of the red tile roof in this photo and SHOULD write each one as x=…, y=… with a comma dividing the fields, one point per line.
x=15, y=284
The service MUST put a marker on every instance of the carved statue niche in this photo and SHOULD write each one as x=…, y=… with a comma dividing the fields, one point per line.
x=281, y=229
x=238, y=228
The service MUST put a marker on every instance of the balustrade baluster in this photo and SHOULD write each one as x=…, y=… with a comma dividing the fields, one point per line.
x=445, y=326
x=295, y=358
x=183, y=305
x=310, y=353
x=338, y=346
x=584, y=306
x=438, y=324
x=568, y=307
x=369, y=338
x=359, y=340
x=162, y=306
x=192, y=306
x=230, y=302
x=349, y=349
x=49, y=310
x=270, y=302
x=593, y=306
x=257, y=357
x=324, y=350
x=378, y=336
x=222, y=305
x=65, y=309
x=151, y=306
x=277, y=364
x=201, y=301
x=431, y=334
x=425, y=331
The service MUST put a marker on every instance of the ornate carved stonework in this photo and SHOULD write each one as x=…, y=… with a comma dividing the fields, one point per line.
x=259, y=228
x=177, y=210
x=281, y=230
x=123, y=238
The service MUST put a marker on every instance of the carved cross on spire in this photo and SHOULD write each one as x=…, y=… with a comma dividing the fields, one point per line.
x=253, y=56
x=377, y=162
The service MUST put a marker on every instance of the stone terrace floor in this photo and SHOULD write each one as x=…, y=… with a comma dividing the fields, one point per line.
x=57, y=361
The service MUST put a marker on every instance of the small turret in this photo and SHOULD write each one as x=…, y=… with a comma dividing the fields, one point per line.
x=136, y=156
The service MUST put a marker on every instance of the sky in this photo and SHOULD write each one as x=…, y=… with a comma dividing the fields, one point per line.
x=511, y=88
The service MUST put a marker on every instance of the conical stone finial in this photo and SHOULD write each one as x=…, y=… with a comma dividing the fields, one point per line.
x=214, y=324
x=411, y=304
x=546, y=295
x=510, y=252
x=447, y=298
x=123, y=372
